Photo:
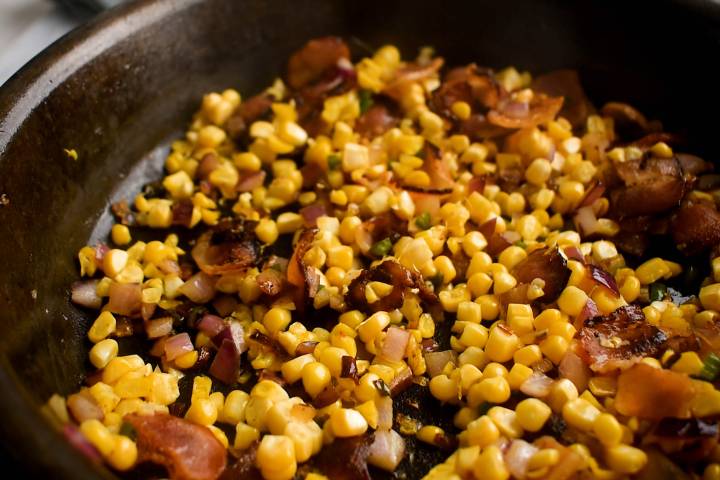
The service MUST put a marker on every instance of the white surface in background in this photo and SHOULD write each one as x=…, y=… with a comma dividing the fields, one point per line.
x=26, y=28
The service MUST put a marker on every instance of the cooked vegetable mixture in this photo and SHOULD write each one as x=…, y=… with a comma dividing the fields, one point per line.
x=378, y=267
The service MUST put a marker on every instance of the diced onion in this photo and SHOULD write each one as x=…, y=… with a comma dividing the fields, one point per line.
x=537, y=385
x=159, y=327
x=200, y=288
x=85, y=294
x=518, y=456
x=395, y=343
x=178, y=345
x=387, y=450
x=436, y=361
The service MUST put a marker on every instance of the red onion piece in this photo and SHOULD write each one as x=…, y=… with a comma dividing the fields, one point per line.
x=250, y=181
x=147, y=310
x=585, y=221
x=595, y=192
x=233, y=332
x=125, y=298
x=574, y=253
x=100, y=251
x=395, y=343
x=84, y=293
x=158, y=348
x=211, y=325
x=518, y=456
x=84, y=407
x=401, y=382
x=537, y=385
x=178, y=345
x=225, y=305
x=436, y=361
x=311, y=213
x=603, y=278
x=387, y=450
x=200, y=288
x=76, y=439
x=590, y=310
x=226, y=364
x=574, y=369
x=488, y=228
x=159, y=327
x=385, y=412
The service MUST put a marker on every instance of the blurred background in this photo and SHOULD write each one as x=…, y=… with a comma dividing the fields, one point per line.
x=28, y=26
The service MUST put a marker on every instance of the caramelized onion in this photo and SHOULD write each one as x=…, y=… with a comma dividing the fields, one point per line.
x=84, y=293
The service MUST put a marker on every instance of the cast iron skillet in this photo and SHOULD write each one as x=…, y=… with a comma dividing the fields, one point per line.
x=120, y=88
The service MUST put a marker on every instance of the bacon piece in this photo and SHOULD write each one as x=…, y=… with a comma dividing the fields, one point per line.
x=270, y=281
x=187, y=450
x=313, y=61
x=378, y=119
x=244, y=467
x=619, y=340
x=345, y=458
x=513, y=113
x=629, y=122
x=548, y=265
x=230, y=247
x=409, y=73
x=651, y=186
x=472, y=85
x=604, y=279
x=394, y=274
x=696, y=227
x=653, y=393
x=246, y=113
x=385, y=225
x=299, y=274
x=182, y=212
x=566, y=83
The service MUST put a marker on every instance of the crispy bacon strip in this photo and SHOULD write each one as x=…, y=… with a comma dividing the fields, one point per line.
x=345, y=458
x=619, y=340
x=653, y=393
x=246, y=113
x=378, y=119
x=566, y=84
x=312, y=62
x=548, y=265
x=651, y=186
x=230, y=247
x=513, y=113
x=390, y=272
x=298, y=273
x=187, y=450
x=696, y=227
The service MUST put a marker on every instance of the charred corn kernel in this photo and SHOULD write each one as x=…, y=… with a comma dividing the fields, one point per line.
x=625, y=459
x=429, y=434
x=689, y=362
x=474, y=334
x=315, y=377
x=580, y=413
x=538, y=172
x=532, y=414
x=114, y=262
x=103, y=326
x=276, y=320
x=276, y=457
x=572, y=300
x=517, y=375
x=511, y=256
x=98, y=435
x=267, y=231
x=710, y=296
x=346, y=422
x=123, y=454
x=482, y=432
x=245, y=435
x=520, y=318
x=501, y=344
x=444, y=388
x=470, y=312
x=607, y=429
x=652, y=271
x=554, y=347
x=495, y=389
x=102, y=352
x=561, y=392
x=506, y=421
x=369, y=329
x=202, y=411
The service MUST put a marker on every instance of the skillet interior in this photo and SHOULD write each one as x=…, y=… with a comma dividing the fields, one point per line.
x=118, y=90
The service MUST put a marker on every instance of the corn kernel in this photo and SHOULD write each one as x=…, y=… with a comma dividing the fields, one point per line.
x=532, y=414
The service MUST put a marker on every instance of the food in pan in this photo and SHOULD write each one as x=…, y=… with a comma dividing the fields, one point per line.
x=391, y=266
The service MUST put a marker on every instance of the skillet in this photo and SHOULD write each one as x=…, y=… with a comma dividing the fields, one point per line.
x=119, y=89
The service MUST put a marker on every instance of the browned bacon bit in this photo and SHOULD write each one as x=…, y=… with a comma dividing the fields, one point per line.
x=187, y=450
x=498, y=242
x=631, y=242
x=230, y=247
x=653, y=393
x=594, y=192
x=312, y=173
x=409, y=73
x=437, y=168
x=345, y=458
x=629, y=122
x=401, y=382
x=378, y=119
x=475, y=86
x=386, y=225
x=548, y=265
x=618, y=340
x=394, y=274
x=349, y=368
x=299, y=274
x=692, y=164
x=208, y=163
x=566, y=84
x=312, y=62
x=246, y=113
x=696, y=227
x=270, y=281
x=304, y=348
x=243, y=468
x=122, y=212
x=514, y=113
x=328, y=396
x=182, y=212
x=651, y=186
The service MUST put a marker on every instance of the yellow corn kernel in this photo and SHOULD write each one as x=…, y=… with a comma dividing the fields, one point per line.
x=103, y=326
x=517, y=375
x=444, y=388
x=315, y=377
x=580, y=414
x=98, y=435
x=710, y=296
x=561, y=392
x=474, y=335
x=121, y=234
x=114, y=262
x=652, y=270
x=124, y=453
x=494, y=389
x=503, y=282
x=607, y=429
x=369, y=329
x=532, y=414
x=102, y=352
x=482, y=432
x=511, y=256
x=554, y=347
x=277, y=320
x=501, y=344
x=346, y=422
x=572, y=300
x=506, y=421
x=689, y=362
x=245, y=435
x=625, y=459
x=276, y=457
x=520, y=318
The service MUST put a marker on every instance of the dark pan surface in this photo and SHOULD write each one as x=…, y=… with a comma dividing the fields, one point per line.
x=120, y=89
